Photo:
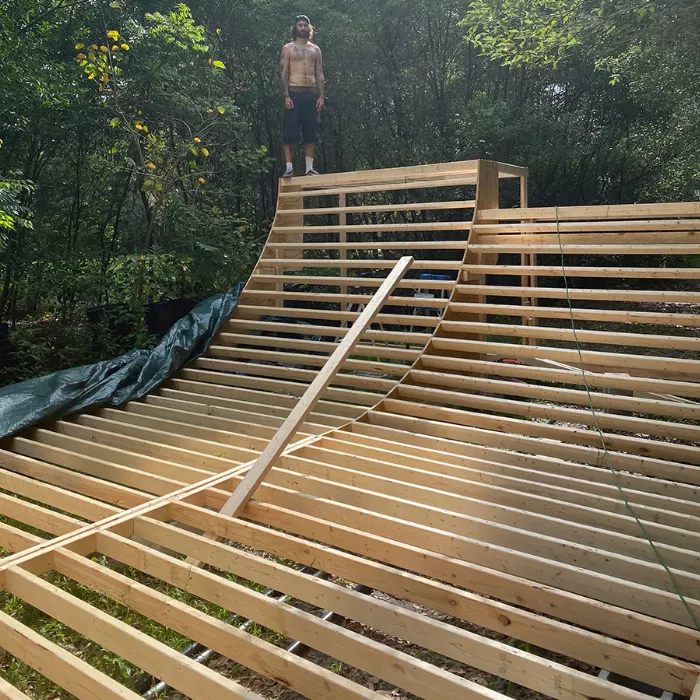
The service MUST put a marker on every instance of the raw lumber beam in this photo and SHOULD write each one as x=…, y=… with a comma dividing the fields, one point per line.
x=247, y=649
x=9, y=692
x=425, y=226
x=615, y=211
x=618, y=621
x=668, y=273
x=656, y=669
x=623, y=230
x=410, y=206
x=574, y=375
x=283, y=264
x=437, y=171
x=296, y=418
x=137, y=647
x=593, y=249
x=335, y=298
x=478, y=451
x=588, y=294
x=71, y=673
x=423, y=184
x=419, y=677
x=467, y=647
x=352, y=281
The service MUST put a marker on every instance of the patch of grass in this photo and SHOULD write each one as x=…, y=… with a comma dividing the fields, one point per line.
x=119, y=669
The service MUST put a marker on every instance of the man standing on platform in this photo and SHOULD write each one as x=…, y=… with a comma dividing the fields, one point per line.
x=303, y=86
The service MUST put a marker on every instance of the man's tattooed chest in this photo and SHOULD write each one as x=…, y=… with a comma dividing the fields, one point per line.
x=304, y=54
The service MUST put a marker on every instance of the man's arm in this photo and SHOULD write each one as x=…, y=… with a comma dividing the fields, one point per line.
x=284, y=77
x=320, y=81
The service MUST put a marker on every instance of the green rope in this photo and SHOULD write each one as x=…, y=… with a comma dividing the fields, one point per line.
x=674, y=583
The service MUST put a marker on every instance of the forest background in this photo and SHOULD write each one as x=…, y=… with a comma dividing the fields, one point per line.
x=140, y=139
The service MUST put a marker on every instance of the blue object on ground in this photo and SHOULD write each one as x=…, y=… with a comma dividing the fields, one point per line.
x=432, y=276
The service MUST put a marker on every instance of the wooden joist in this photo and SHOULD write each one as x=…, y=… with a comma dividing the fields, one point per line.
x=460, y=458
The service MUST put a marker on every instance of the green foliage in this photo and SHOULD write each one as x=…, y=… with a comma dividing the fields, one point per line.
x=521, y=32
x=13, y=212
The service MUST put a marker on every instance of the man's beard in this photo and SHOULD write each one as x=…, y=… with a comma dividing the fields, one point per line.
x=303, y=33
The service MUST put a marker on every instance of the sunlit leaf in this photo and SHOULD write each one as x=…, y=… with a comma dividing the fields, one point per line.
x=220, y=109
x=79, y=46
x=151, y=166
x=205, y=152
x=113, y=35
x=197, y=139
x=218, y=31
x=125, y=46
x=218, y=64
x=104, y=49
x=115, y=122
x=114, y=5
x=201, y=180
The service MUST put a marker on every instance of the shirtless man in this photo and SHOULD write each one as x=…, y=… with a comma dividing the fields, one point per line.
x=303, y=85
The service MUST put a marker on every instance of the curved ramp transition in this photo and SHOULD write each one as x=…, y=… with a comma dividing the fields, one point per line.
x=478, y=486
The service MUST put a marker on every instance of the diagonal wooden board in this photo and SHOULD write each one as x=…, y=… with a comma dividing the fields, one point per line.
x=242, y=494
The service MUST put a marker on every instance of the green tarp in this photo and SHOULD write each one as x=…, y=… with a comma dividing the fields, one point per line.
x=114, y=382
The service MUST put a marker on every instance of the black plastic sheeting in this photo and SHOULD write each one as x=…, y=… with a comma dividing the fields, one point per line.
x=114, y=382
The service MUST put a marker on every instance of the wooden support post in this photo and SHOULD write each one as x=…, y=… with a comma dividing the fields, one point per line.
x=342, y=238
x=240, y=497
x=527, y=260
x=487, y=197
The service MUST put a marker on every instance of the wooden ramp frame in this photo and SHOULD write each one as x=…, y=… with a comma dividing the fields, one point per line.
x=467, y=464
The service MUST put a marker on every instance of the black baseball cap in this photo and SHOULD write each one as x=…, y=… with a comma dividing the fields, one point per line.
x=302, y=18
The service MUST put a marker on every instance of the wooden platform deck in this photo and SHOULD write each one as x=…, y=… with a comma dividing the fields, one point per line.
x=479, y=485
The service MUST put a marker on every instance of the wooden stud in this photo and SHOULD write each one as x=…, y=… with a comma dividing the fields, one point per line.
x=276, y=446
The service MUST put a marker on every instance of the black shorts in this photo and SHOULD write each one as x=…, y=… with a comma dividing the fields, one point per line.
x=303, y=116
